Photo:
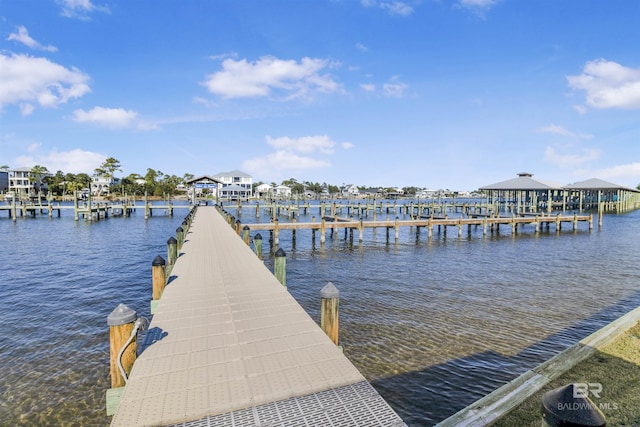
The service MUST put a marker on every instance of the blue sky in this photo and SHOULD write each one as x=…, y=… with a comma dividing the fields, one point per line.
x=430, y=93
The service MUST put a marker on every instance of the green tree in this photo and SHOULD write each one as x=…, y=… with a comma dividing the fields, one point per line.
x=109, y=167
x=36, y=175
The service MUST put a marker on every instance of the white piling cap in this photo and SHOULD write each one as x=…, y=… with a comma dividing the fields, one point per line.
x=121, y=315
x=329, y=291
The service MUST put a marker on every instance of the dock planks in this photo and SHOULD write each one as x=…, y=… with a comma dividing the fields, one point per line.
x=233, y=347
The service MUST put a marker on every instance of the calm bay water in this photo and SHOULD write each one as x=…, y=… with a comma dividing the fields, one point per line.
x=434, y=324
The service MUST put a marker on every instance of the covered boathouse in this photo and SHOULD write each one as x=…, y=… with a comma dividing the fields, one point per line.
x=525, y=194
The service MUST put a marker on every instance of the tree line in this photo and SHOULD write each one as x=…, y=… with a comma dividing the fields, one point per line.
x=153, y=182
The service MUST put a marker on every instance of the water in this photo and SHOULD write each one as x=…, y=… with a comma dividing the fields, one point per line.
x=434, y=324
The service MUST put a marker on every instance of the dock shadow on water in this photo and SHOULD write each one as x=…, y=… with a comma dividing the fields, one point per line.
x=434, y=324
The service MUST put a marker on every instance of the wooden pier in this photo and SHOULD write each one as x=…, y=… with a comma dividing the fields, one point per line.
x=228, y=345
x=88, y=209
x=487, y=222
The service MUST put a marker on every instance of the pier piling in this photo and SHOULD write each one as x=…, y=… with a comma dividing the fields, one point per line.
x=121, y=323
x=280, y=266
x=329, y=311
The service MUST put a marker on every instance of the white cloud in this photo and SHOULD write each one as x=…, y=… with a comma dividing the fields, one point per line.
x=567, y=160
x=368, y=87
x=113, y=118
x=72, y=161
x=608, y=85
x=478, y=7
x=286, y=156
x=243, y=79
x=22, y=36
x=280, y=161
x=80, y=9
x=397, y=8
x=305, y=144
x=478, y=3
x=629, y=172
x=392, y=7
x=559, y=130
x=395, y=90
x=361, y=47
x=28, y=80
x=109, y=117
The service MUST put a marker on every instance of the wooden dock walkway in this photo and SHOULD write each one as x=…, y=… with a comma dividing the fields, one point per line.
x=476, y=220
x=229, y=346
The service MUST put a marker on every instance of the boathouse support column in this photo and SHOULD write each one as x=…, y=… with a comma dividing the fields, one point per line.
x=329, y=311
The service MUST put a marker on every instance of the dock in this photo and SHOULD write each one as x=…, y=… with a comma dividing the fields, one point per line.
x=88, y=209
x=228, y=345
x=487, y=222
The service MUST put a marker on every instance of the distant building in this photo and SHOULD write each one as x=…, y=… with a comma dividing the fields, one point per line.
x=282, y=192
x=264, y=190
x=4, y=180
x=20, y=181
x=236, y=185
x=351, y=190
x=101, y=185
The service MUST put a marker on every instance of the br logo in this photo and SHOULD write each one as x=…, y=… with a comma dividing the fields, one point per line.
x=585, y=389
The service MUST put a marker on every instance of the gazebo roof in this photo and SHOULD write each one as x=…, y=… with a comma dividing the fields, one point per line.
x=524, y=181
x=596, y=184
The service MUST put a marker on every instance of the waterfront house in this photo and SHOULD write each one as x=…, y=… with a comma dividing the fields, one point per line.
x=282, y=192
x=351, y=190
x=235, y=185
x=101, y=185
x=263, y=190
x=21, y=182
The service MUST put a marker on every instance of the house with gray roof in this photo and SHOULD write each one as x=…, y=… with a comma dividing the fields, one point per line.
x=235, y=185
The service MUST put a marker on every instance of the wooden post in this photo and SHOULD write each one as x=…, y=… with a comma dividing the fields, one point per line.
x=180, y=236
x=257, y=245
x=329, y=311
x=322, y=230
x=158, y=277
x=14, y=204
x=245, y=234
x=146, y=206
x=172, y=251
x=575, y=222
x=430, y=228
x=121, y=323
x=397, y=229
x=276, y=232
x=600, y=213
x=280, y=267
